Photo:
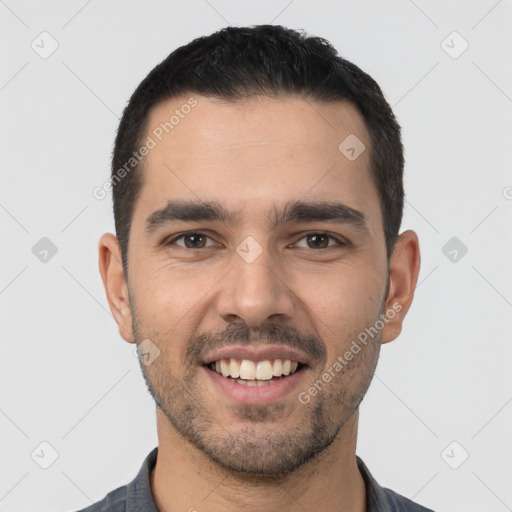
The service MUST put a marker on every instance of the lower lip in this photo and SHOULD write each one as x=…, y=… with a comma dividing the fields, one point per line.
x=253, y=395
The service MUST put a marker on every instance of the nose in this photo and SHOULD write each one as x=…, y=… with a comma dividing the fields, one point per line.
x=255, y=292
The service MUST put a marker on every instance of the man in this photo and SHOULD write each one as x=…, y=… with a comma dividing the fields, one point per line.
x=258, y=267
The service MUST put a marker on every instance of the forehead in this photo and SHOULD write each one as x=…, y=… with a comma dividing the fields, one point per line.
x=256, y=154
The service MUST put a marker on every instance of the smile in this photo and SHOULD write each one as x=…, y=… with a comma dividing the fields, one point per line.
x=253, y=382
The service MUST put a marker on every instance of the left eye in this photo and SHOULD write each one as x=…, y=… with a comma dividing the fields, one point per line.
x=319, y=241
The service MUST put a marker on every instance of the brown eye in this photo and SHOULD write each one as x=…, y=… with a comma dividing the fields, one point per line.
x=191, y=240
x=194, y=240
x=317, y=241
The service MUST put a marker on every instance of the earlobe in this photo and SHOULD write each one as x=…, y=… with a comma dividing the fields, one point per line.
x=404, y=267
x=114, y=282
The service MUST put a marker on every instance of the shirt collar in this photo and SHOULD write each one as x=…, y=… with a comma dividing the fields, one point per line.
x=376, y=498
x=139, y=496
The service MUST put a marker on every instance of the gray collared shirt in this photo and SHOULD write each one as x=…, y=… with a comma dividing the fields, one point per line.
x=138, y=497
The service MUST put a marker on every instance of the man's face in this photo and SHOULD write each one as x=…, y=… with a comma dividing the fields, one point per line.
x=308, y=283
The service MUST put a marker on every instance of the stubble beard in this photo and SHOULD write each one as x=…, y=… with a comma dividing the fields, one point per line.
x=257, y=444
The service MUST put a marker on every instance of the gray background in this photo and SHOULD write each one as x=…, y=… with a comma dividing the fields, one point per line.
x=442, y=390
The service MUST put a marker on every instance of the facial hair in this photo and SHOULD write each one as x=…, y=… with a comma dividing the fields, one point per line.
x=256, y=444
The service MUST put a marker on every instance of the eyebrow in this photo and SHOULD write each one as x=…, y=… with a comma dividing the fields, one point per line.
x=291, y=212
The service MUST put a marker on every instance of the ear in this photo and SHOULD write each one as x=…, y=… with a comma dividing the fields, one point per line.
x=114, y=281
x=404, y=267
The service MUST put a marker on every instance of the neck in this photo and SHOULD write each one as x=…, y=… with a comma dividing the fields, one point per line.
x=184, y=478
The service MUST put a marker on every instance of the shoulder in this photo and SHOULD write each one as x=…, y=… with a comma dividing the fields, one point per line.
x=136, y=495
x=114, y=501
x=382, y=499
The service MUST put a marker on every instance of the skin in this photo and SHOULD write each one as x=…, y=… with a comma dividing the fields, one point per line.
x=254, y=156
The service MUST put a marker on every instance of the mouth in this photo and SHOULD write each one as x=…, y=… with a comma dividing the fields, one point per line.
x=248, y=382
x=246, y=372
x=257, y=374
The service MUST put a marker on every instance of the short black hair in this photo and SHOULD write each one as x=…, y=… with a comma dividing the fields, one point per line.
x=237, y=63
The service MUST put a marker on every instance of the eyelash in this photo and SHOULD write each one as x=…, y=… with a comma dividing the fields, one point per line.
x=340, y=242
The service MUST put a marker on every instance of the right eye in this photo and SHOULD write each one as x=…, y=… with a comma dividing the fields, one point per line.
x=191, y=240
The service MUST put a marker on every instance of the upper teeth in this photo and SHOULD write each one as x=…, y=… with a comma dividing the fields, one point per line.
x=262, y=370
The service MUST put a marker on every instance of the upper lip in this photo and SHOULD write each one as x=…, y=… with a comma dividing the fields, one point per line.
x=255, y=353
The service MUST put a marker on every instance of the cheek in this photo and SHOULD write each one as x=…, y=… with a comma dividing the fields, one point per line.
x=168, y=295
x=341, y=295
x=341, y=304
x=170, y=306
